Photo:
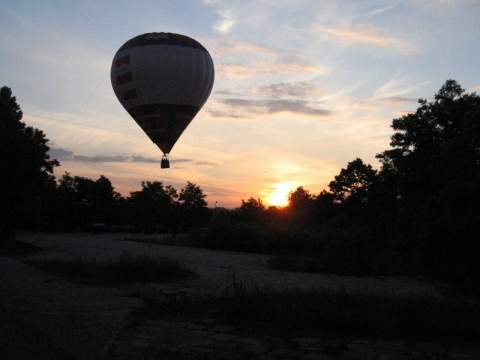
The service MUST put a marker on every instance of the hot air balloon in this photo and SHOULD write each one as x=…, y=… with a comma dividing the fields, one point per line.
x=162, y=80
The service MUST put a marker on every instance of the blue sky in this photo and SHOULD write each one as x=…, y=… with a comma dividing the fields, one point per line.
x=302, y=87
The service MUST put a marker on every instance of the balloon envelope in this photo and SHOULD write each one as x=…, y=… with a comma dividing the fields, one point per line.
x=162, y=80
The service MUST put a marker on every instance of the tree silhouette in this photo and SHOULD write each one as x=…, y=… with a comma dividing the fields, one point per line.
x=25, y=165
x=300, y=204
x=434, y=169
x=152, y=207
x=354, y=183
x=193, y=205
x=81, y=202
x=252, y=209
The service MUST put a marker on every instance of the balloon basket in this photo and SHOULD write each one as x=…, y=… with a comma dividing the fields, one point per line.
x=165, y=163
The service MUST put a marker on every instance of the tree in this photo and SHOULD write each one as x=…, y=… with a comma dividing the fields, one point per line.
x=192, y=196
x=300, y=204
x=325, y=208
x=153, y=206
x=434, y=167
x=252, y=209
x=73, y=201
x=193, y=205
x=80, y=202
x=105, y=201
x=354, y=183
x=422, y=138
x=299, y=198
x=25, y=165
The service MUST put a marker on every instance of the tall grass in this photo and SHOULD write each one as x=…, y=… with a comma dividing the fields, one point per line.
x=14, y=248
x=349, y=314
x=295, y=312
x=128, y=269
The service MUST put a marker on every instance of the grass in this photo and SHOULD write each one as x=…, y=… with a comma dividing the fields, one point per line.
x=14, y=248
x=351, y=315
x=168, y=240
x=283, y=312
x=300, y=312
x=128, y=269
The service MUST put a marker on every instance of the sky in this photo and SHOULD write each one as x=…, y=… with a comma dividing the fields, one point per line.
x=301, y=87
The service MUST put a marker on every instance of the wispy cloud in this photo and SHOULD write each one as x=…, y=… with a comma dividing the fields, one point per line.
x=227, y=21
x=257, y=101
x=67, y=155
x=373, y=13
x=393, y=100
x=256, y=60
x=295, y=89
x=396, y=88
x=246, y=108
x=353, y=33
x=262, y=68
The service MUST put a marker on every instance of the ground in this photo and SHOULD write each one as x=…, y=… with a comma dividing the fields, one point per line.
x=44, y=317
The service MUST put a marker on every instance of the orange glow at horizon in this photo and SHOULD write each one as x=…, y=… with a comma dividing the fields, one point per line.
x=279, y=197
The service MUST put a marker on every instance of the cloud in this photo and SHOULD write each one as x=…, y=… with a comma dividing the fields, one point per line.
x=397, y=100
x=208, y=163
x=290, y=97
x=373, y=13
x=259, y=68
x=227, y=16
x=67, y=155
x=367, y=34
x=295, y=89
x=394, y=89
x=227, y=21
x=256, y=60
x=245, y=108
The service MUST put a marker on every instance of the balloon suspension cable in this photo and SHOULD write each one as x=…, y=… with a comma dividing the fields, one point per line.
x=165, y=163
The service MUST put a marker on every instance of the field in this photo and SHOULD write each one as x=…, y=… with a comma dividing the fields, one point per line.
x=80, y=300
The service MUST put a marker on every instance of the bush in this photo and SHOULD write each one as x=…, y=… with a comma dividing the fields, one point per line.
x=127, y=269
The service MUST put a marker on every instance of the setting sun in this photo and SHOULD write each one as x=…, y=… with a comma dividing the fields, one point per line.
x=280, y=195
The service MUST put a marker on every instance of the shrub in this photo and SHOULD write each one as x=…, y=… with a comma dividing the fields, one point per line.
x=127, y=269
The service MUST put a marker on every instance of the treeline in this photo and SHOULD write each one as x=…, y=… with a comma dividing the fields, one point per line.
x=32, y=198
x=419, y=214
x=75, y=203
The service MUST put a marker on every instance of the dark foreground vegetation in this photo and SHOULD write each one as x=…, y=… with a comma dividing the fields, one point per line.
x=128, y=269
x=302, y=312
x=282, y=313
x=418, y=214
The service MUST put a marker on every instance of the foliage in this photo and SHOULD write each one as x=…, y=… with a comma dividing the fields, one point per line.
x=251, y=210
x=299, y=312
x=14, y=248
x=299, y=199
x=353, y=184
x=347, y=314
x=434, y=167
x=127, y=269
x=152, y=208
x=25, y=165
x=79, y=202
x=193, y=206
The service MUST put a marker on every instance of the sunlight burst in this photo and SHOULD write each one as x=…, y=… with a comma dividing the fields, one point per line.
x=280, y=195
